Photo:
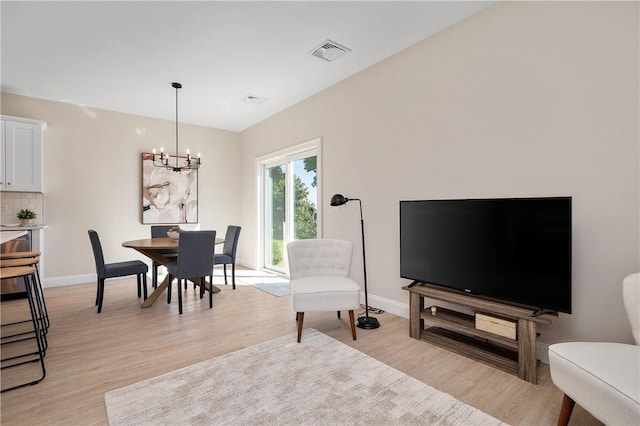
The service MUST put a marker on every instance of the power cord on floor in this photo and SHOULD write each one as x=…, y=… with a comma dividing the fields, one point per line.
x=372, y=309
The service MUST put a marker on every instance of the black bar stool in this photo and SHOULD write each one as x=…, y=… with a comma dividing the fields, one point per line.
x=28, y=274
x=19, y=254
x=29, y=258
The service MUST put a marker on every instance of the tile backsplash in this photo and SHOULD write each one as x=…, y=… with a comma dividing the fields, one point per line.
x=12, y=202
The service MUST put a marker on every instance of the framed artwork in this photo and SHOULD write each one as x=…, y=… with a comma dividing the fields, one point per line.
x=168, y=196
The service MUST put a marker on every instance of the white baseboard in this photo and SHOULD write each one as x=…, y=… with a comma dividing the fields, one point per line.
x=247, y=263
x=69, y=280
x=542, y=352
x=83, y=279
x=388, y=305
x=73, y=279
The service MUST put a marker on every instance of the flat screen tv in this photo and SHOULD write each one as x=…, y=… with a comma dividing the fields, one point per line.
x=515, y=250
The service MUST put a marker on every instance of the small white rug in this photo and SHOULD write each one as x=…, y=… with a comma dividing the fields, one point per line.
x=320, y=381
x=276, y=289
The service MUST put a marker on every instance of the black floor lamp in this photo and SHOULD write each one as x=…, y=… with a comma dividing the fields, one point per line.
x=365, y=321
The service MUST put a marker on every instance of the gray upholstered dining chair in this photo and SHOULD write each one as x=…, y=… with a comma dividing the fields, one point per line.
x=114, y=270
x=195, y=260
x=228, y=255
x=160, y=231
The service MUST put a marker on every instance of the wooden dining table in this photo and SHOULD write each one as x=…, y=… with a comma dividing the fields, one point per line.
x=153, y=248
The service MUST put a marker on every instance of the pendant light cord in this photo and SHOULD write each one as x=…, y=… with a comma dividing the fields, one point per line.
x=177, y=154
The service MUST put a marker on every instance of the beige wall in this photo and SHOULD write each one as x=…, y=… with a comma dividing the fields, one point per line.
x=522, y=99
x=92, y=179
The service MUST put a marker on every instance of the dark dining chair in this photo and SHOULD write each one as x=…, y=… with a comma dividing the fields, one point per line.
x=228, y=255
x=114, y=270
x=195, y=260
x=160, y=231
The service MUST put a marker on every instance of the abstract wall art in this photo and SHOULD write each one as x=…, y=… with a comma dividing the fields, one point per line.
x=168, y=196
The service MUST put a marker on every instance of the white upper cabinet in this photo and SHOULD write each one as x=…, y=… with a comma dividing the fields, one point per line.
x=21, y=154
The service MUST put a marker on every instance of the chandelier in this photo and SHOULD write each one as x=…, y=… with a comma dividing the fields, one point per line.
x=180, y=163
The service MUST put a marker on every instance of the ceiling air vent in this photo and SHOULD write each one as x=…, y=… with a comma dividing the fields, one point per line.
x=255, y=100
x=329, y=51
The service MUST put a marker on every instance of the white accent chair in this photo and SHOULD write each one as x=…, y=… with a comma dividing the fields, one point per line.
x=319, y=271
x=603, y=378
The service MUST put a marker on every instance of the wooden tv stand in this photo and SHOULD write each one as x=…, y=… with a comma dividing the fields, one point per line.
x=456, y=331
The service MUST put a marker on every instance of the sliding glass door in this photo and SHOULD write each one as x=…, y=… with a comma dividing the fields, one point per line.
x=290, y=207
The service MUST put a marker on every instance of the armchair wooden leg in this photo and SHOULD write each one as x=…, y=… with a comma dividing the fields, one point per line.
x=338, y=314
x=300, y=321
x=353, y=324
x=566, y=410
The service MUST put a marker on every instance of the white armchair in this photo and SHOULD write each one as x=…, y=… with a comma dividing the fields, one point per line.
x=603, y=378
x=319, y=271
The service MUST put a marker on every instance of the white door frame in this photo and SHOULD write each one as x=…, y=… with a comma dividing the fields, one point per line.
x=306, y=149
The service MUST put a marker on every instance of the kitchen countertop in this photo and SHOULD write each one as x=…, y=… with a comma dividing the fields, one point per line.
x=21, y=228
x=10, y=235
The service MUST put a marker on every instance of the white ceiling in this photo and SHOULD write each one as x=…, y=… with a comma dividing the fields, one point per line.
x=123, y=56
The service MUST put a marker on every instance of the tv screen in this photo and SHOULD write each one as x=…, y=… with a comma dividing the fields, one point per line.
x=512, y=249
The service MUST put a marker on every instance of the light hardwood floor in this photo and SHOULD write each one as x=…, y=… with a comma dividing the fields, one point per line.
x=90, y=354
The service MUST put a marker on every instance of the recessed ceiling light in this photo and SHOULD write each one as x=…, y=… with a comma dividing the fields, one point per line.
x=253, y=99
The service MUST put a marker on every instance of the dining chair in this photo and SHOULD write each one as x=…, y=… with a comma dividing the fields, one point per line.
x=195, y=260
x=319, y=271
x=160, y=231
x=114, y=270
x=228, y=255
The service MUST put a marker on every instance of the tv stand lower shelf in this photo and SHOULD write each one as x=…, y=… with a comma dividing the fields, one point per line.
x=457, y=332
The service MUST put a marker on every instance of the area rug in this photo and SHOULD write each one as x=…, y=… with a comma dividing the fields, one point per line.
x=320, y=381
x=277, y=289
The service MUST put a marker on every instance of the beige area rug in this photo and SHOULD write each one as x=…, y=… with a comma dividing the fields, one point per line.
x=320, y=381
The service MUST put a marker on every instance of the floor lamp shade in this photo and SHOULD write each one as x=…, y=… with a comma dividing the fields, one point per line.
x=366, y=321
x=338, y=200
